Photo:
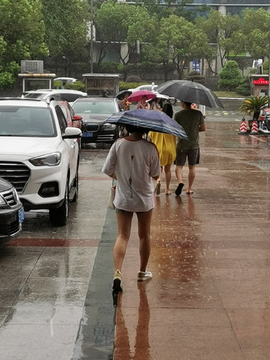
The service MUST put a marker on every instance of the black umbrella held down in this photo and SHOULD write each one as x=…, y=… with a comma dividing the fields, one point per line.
x=153, y=120
x=190, y=91
x=122, y=94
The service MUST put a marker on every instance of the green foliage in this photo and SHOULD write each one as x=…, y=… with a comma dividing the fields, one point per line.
x=230, y=76
x=254, y=104
x=57, y=84
x=109, y=68
x=195, y=76
x=8, y=74
x=22, y=36
x=244, y=87
x=266, y=67
x=66, y=25
x=77, y=85
x=130, y=85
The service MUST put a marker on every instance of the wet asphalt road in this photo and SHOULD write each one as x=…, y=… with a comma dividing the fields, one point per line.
x=55, y=295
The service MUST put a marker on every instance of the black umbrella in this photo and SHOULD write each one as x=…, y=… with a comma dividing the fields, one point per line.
x=122, y=94
x=190, y=91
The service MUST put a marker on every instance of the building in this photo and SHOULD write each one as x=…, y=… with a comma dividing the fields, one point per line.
x=231, y=6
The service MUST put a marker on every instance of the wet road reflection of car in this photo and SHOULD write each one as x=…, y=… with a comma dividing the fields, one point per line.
x=11, y=212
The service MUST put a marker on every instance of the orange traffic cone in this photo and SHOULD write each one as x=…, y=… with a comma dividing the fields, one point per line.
x=243, y=127
x=254, y=129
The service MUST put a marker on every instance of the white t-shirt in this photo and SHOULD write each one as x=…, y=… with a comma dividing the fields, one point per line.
x=135, y=163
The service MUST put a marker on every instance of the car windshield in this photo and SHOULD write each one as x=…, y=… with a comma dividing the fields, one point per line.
x=33, y=95
x=26, y=121
x=94, y=107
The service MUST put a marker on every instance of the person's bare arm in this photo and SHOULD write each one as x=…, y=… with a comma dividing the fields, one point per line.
x=202, y=127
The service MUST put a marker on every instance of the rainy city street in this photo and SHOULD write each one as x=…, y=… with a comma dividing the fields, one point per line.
x=209, y=298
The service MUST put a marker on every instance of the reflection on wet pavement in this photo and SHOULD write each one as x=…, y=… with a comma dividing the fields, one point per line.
x=209, y=297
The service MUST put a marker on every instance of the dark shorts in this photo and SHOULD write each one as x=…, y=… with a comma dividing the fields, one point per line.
x=193, y=156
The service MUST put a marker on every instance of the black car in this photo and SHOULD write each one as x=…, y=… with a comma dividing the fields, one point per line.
x=94, y=113
x=11, y=212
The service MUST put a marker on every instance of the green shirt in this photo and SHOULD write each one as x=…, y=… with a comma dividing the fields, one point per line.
x=190, y=120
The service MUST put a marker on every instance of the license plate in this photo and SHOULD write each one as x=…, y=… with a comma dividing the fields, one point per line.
x=21, y=215
x=87, y=134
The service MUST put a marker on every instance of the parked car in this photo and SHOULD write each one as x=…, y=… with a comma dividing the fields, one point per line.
x=73, y=120
x=149, y=87
x=11, y=212
x=66, y=80
x=55, y=94
x=94, y=113
x=39, y=155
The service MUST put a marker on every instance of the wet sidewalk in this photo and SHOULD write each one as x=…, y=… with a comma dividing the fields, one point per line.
x=209, y=298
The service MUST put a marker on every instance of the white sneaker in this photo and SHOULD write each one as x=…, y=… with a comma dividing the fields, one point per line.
x=144, y=275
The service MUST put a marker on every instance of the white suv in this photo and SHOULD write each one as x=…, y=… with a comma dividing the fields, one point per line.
x=39, y=155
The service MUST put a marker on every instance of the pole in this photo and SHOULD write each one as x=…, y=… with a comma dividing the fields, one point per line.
x=91, y=39
x=269, y=74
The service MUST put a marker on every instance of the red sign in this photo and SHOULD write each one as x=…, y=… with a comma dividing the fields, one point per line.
x=261, y=81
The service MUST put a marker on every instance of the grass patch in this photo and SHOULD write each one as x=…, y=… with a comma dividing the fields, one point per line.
x=231, y=94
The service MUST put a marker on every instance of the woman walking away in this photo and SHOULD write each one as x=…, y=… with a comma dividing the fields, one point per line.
x=133, y=161
x=166, y=145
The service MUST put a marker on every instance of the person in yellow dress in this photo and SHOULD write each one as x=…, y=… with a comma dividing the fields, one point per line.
x=166, y=145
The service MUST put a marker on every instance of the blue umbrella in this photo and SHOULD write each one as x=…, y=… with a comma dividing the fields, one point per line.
x=150, y=119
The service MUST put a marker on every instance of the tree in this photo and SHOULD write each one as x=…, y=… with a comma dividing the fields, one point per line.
x=22, y=36
x=230, y=76
x=66, y=25
x=180, y=42
x=223, y=32
x=256, y=25
x=120, y=22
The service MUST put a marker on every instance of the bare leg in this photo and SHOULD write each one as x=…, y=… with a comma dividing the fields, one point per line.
x=167, y=170
x=124, y=226
x=191, y=177
x=144, y=225
x=158, y=185
x=179, y=173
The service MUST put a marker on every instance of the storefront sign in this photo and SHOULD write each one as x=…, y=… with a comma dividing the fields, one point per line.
x=261, y=81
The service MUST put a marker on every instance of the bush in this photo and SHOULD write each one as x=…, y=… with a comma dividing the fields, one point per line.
x=195, y=76
x=78, y=85
x=134, y=79
x=130, y=85
x=244, y=87
x=230, y=76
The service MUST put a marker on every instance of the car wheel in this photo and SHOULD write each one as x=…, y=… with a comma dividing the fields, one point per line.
x=59, y=216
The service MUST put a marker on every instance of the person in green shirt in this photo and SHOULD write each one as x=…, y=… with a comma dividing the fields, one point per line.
x=193, y=122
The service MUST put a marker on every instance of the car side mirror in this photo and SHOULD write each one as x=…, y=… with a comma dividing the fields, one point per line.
x=72, y=133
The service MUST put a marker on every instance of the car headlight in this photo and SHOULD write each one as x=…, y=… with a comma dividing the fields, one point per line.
x=109, y=126
x=2, y=201
x=53, y=159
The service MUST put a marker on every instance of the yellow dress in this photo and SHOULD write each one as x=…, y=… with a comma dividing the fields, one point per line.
x=166, y=146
